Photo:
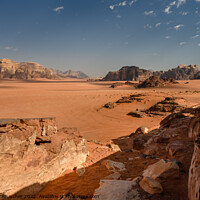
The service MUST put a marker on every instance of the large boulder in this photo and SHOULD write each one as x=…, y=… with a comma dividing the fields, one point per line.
x=161, y=169
x=116, y=190
x=33, y=152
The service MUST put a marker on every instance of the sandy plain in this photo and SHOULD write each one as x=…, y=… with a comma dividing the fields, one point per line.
x=78, y=104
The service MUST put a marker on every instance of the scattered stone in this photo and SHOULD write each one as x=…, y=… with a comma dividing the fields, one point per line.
x=109, y=105
x=161, y=169
x=136, y=114
x=151, y=185
x=114, y=166
x=114, y=147
x=142, y=130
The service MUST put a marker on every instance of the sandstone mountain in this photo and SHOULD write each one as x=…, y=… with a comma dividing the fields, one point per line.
x=132, y=73
x=128, y=73
x=24, y=70
x=71, y=74
x=29, y=70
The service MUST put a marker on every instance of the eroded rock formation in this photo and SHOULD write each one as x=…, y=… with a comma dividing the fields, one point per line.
x=25, y=70
x=33, y=152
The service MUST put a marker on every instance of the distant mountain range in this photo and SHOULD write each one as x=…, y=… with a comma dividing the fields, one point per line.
x=29, y=70
x=133, y=73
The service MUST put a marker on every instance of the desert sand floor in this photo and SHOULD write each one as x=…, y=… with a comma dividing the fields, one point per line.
x=78, y=103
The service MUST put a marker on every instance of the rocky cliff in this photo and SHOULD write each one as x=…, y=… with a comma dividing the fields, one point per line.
x=71, y=74
x=132, y=73
x=128, y=73
x=182, y=72
x=33, y=152
x=24, y=70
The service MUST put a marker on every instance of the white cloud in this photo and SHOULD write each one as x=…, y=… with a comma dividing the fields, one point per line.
x=180, y=2
x=158, y=24
x=167, y=10
x=9, y=48
x=58, y=9
x=151, y=13
x=195, y=36
x=118, y=16
x=198, y=45
x=173, y=3
x=167, y=37
x=197, y=0
x=147, y=26
x=132, y=2
x=177, y=27
x=122, y=4
x=182, y=43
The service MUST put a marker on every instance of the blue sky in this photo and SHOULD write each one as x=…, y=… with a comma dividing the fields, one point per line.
x=97, y=36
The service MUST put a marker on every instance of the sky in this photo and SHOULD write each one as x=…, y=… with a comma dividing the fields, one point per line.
x=97, y=36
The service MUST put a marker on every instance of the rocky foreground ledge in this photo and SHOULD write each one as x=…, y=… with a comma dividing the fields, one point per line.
x=33, y=152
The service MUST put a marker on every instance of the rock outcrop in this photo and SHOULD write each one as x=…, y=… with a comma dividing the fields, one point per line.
x=132, y=73
x=71, y=74
x=25, y=70
x=182, y=72
x=128, y=73
x=33, y=152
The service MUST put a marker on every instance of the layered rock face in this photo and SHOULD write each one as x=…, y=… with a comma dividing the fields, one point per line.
x=132, y=73
x=194, y=172
x=182, y=72
x=128, y=73
x=33, y=152
x=24, y=70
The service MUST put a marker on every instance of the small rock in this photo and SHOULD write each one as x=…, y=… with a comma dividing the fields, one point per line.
x=114, y=147
x=114, y=166
x=142, y=130
x=150, y=185
x=136, y=114
x=109, y=105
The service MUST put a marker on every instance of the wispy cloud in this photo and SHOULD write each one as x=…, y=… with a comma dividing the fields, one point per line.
x=58, y=9
x=122, y=4
x=184, y=13
x=9, y=48
x=148, y=26
x=195, y=36
x=198, y=45
x=151, y=13
x=177, y=27
x=174, y=3
x=158, y=24
x=180, y=2
x=182, y=43
x=167, y=37
x=118, y=16
x=197, y=0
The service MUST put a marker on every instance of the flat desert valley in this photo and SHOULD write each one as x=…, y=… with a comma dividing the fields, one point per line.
x=79, y=104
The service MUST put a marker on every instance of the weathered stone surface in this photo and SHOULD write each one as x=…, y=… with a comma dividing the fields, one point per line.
x=109, y=105
x=161, y=169
x=114, y=176
x=174, y=147
x=138, y=142
x=117, y=190
x=151, y=185
x=194, y=171
x=33, y=151
x=142, y=130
